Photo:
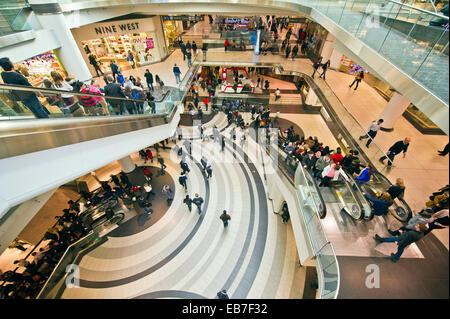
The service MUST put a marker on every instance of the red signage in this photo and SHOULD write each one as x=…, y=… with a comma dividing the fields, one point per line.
x=150, y=43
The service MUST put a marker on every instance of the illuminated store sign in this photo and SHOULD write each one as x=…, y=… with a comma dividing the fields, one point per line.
x=113, y=29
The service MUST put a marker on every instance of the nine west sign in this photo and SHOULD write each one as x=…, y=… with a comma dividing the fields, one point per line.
x=115, y=28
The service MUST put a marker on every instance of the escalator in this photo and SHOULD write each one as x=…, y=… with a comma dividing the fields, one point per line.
x=379, y=184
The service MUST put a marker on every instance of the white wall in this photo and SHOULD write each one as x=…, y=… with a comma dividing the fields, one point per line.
x=21, y=216
x=45, y=41
x=26, y=176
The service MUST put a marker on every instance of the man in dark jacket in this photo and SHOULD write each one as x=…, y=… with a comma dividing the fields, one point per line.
x=397, y=148
x=225, y=218
x=309, y=161
x=403, y=241
x=115, y=90
x=182, y=179
x=30, y=99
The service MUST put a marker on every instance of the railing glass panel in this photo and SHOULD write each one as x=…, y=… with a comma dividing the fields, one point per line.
x=326, y=261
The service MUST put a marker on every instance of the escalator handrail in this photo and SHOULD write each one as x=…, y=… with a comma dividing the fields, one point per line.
x=400, y=199
x=348, y=185
x=56, y=91
x=323, y=211
x=359, y=196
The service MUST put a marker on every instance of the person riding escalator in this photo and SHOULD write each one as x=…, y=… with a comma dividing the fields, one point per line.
x=380, y=205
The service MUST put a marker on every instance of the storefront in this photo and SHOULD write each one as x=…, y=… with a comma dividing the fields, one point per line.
x=172, y=30
x=35, y=69
x=113, y=41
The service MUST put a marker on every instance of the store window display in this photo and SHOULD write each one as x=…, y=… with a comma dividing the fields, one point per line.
x=37, y=68
x=126, y=51
x=172, y=31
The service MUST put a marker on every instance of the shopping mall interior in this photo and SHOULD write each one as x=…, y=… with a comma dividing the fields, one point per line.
x=220, y=149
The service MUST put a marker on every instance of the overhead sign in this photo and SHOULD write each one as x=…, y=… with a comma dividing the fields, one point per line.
x=192, y=18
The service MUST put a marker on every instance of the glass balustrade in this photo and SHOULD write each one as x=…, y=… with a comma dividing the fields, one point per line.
x=325, y=257
x=12, y=18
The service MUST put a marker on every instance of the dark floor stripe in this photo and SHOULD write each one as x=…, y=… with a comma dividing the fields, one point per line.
x=261, y=236
x=171, y=294
x=123, y=281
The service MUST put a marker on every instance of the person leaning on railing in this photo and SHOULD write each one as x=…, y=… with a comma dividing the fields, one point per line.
x=89, y=103
x=114, y=89
x=9, y=76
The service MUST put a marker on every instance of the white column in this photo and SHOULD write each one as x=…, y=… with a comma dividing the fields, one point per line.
x=69, y=52
x=127, y=164
x=328, y=48
x=258, y=39
x=393, y=111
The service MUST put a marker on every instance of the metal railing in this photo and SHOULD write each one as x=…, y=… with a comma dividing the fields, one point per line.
x=19, y=102
x=407, y=36
x=325, y=256
x=12, y=18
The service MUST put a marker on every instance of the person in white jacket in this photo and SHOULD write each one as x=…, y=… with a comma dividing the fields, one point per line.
x=332, y=172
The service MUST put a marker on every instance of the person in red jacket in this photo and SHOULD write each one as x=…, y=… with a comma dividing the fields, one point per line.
x=337, y=158
x=149, y=154
x=206, y=101
x=226, y=44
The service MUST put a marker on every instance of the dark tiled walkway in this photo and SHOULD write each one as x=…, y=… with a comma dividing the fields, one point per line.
x=159, y=201
x=407, y=279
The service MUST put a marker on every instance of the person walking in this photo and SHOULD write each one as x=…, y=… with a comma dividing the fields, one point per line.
x=149, y=79
x=444, y=151
x=226, y=44
x=204, y=50
x=130, y=58
x=224, y=217
x=189, y=58
x=188, y=46
x=30, y=99
x=223, y=294
x=183, y=50
x=277, y=94
x=148, y=191
x=198, y=201
x=194, y=47
x=147, y=174
x=294, y=52
x=114, y=69
x=222, y=142
x=325, y=67
x=204, y=162
x=188, y=201
x=404, y=240
x=169, y=193
x=94, y=63
x=206, y=102
x=208, y=171
x=163, y=166
x=397, y=148
x=372, y=132
x=316, y=66
x=358, y=78
x=288, y=50
x=184, y=167
x=177, y=72
x=182, y=179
